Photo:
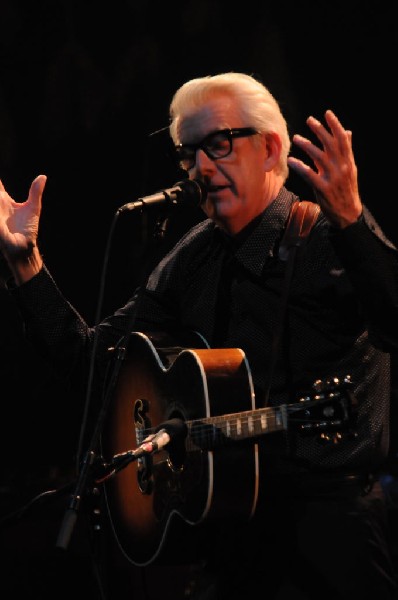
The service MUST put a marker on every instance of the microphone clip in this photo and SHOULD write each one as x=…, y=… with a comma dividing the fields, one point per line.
x=152, y=444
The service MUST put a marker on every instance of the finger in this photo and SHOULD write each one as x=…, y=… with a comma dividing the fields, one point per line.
x=335, y=144
x=320, y=131
x=348, y=134
x=37, y=189
x=334, y=123
x=39, y=183
x=330, y=140
x=309, y=148
x=2, y=188
x=342, y=135
x=304, y=171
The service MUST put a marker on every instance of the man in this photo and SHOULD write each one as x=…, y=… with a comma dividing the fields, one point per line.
x=319, y=528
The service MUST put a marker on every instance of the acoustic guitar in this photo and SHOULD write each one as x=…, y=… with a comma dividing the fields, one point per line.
x=212, y=471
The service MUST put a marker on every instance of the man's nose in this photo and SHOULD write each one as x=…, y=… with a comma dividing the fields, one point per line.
x=203, y=163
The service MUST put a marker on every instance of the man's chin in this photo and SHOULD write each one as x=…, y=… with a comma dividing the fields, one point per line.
x=219, y=208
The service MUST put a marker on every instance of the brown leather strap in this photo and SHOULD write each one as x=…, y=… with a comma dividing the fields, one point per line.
x=302, y=218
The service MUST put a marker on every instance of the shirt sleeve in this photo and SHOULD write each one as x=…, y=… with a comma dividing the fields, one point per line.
x=371, y=263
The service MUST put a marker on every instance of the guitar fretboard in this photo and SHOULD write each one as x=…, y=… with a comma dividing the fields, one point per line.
x=211, y=432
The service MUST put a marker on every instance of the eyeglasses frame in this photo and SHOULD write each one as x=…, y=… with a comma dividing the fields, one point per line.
x=235, y=132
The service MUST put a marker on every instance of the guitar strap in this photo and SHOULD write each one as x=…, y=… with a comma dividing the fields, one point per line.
x=302, y=217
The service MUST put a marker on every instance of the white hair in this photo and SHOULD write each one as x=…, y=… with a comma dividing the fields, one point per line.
x=257, y=106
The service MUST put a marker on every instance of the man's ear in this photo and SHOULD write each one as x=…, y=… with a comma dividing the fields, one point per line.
x=273, y=147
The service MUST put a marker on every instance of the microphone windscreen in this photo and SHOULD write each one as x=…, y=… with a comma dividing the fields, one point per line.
x=193, y=191
x=175, y=428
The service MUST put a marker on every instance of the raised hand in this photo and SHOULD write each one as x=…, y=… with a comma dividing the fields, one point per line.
x=334, y=176
x=19, y=226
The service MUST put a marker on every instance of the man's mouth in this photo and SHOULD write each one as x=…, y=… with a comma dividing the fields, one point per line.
x=216, y=188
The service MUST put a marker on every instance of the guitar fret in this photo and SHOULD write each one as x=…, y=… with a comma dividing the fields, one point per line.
x=228, y=429
x=214, y=431
x=264, y=422
x=250, y=424
x=238, y=427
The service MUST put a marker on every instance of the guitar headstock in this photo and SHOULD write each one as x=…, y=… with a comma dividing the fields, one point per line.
x=328, y=410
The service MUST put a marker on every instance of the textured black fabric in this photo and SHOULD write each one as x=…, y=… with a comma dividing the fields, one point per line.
x=341, y=319
x=304, y=548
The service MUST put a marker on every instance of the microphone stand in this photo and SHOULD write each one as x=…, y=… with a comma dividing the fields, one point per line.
x=89, y=460
x=90, y=457
x=193, y=190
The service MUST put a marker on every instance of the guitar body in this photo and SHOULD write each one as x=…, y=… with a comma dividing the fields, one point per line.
x=158, y=382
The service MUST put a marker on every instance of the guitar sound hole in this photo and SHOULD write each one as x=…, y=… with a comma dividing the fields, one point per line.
x=177, y=455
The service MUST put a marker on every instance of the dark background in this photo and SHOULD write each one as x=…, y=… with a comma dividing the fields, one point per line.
x=83, y=86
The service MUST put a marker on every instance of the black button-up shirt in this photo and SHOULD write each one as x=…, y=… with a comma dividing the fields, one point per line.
x=341, y=319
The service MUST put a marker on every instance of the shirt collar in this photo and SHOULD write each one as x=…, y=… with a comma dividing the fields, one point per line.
x=259, y=238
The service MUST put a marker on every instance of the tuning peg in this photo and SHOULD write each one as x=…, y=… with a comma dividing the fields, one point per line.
x=348, y=380
x=327, y=438
x=322, y=385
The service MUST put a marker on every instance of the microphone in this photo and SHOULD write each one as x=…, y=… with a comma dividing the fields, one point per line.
x=191, y=191
x=166, y=432
x=153, y=443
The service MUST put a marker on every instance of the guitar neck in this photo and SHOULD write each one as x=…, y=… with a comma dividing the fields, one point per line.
x=211, y=432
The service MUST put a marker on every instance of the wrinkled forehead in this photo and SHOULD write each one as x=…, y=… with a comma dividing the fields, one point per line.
x=220, y=112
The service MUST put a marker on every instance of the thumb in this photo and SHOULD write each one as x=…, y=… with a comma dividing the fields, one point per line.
x=36, y=190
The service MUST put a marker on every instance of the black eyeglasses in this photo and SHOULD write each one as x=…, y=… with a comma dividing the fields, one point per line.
x=217, y=144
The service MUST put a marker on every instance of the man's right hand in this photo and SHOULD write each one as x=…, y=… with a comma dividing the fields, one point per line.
x=19, y=227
